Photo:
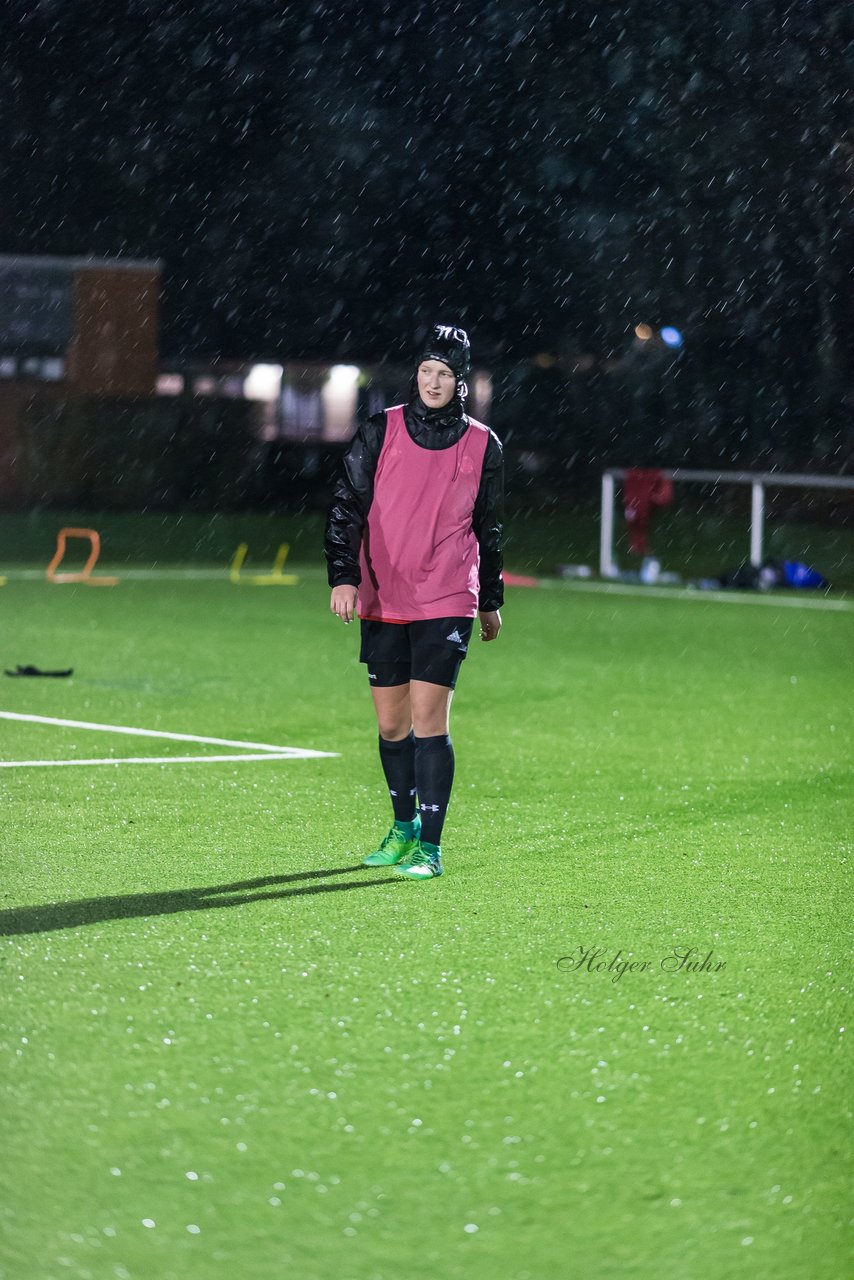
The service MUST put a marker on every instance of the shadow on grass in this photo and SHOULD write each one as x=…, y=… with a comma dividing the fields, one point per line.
x=50, y=916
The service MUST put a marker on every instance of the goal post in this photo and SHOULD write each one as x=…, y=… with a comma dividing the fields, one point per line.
x=759, y=481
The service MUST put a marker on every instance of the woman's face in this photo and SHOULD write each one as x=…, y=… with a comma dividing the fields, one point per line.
x=436, y=383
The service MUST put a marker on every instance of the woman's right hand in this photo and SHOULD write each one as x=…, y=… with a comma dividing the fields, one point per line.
x=343, y=602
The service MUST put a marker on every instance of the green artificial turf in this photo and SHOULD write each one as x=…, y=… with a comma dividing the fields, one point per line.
x=230, y=1051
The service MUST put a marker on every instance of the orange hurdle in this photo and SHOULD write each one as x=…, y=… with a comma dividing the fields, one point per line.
x=85, y=574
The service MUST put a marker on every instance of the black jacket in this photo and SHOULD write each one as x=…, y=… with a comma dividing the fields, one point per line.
x=354, y=492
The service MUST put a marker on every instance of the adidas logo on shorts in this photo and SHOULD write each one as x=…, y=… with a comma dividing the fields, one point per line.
x=455, y=636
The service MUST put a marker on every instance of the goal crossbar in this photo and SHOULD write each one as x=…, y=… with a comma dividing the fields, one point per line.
x=759, y=481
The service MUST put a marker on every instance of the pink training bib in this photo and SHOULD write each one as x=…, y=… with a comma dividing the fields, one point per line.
x=420, y=558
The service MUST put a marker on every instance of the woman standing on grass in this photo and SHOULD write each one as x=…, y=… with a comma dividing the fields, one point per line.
x=413, y=545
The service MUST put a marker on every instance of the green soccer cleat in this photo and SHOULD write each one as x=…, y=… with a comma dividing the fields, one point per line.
x=424, y=863
x=396, y=846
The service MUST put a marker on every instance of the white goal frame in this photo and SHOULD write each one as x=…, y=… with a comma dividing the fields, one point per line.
x=759, y=481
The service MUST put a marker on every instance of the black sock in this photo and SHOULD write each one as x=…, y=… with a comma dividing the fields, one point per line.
x=398, y=761
x=434, y=777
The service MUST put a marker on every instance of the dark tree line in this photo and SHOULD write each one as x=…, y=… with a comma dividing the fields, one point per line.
x=322, y=177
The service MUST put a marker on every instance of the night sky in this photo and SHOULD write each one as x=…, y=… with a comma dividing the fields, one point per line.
x=321, y=180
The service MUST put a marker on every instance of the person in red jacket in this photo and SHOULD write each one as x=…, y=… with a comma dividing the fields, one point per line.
x=413, y=547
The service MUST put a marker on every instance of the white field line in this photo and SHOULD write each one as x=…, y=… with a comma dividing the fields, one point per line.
x=154, y=575
x=158, y=733
x=267, y=752
x=677, y=593
x=293, y=754
x=173, y=573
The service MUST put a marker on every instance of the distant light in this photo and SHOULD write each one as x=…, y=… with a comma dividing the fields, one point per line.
x=643, y=332
x=170, y=384
x=545, y=360
x=340, y=397
x=482, y=393
x=342, y=376
x=671, y=337
x=263, y=382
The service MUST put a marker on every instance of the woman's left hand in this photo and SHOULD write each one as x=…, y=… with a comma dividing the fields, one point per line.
x=490, y=625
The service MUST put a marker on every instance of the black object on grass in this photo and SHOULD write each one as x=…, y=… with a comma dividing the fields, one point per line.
x=36, y=671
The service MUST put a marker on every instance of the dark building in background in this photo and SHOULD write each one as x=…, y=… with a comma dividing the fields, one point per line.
x=71, y=329
x=89, y=325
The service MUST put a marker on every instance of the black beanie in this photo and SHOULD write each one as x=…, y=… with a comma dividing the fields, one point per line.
x=450, y=344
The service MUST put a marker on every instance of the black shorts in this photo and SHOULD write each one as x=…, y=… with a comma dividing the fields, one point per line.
x=397, y=652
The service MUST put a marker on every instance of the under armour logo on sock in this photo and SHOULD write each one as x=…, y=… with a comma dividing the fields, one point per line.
x=455, y=636
x=432, y=808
